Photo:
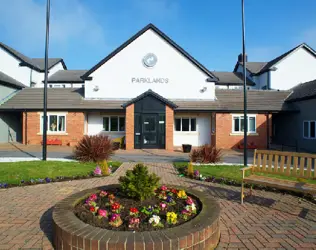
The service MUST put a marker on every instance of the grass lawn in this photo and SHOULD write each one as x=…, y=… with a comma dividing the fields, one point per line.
x=14, y=172
x=231, y=172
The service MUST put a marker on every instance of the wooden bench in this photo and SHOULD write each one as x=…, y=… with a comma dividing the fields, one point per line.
x=298, y=165
x=53, y=142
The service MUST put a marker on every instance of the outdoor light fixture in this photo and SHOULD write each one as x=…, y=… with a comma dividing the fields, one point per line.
x=96, y=88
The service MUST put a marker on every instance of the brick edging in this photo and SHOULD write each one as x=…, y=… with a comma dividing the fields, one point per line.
x=71, y=233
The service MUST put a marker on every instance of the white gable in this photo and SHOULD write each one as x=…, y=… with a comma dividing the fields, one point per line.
x=125, y=76
x=298, y=67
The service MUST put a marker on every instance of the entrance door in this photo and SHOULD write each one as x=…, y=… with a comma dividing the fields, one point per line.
x=150, y=131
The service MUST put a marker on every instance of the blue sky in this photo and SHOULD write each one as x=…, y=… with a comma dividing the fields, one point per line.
x=85, y=31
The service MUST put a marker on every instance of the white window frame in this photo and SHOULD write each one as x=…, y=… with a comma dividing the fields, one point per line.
x=174, y=127
x=309, y=130
x=118, y=123
x=48, y=117
x=240, y=116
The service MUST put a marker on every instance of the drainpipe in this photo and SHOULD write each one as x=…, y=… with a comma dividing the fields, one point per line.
x=268, y=131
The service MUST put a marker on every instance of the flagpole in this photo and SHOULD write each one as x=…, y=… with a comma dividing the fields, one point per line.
x=45, y=82
x=245, y=83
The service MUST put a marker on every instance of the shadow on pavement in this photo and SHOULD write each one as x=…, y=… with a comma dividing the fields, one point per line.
x=46, y=224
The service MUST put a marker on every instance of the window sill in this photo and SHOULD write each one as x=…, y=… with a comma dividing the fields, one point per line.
x=113, y=132
x=186, y=132
x=241, y=134
x=54, y=133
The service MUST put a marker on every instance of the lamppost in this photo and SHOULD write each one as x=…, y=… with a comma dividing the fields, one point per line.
x=245, y=82
x=45, y=83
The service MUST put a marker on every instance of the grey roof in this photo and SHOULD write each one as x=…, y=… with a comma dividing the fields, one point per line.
x=303, y=91
x=255, y=67
x=73, y=76
x=40, y=62
x=258, y=68
x=35, y=63
x=72, y=99
x=231, y=78
x=149, y=92
x=8, y=80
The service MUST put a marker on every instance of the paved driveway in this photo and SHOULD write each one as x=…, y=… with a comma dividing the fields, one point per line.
x=266, y=220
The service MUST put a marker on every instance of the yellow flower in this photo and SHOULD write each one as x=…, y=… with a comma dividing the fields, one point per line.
x=181, y=194
x=172, y=218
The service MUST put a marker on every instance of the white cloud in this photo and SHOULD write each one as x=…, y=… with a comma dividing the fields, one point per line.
x=23, y=22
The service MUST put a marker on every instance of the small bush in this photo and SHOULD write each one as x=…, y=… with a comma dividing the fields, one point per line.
x=94, y=148
x=104, y=168
x=190, y=171
x=138, y=183
x=206, y=154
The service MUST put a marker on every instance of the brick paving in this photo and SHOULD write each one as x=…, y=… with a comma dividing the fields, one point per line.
x=266, y=220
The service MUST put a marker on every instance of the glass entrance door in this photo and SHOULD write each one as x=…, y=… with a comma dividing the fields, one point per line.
x=150, y=131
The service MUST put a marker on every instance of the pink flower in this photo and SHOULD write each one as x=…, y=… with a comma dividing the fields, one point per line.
x=189, y=201
x=164, y=188
x=163, y=205
x=114, y=217
x=97, y=171
x=103, y=193
x=184, y=211
x=102, y=213
x=93, y=197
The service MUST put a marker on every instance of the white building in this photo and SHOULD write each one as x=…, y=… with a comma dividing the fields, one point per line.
x=296, y=66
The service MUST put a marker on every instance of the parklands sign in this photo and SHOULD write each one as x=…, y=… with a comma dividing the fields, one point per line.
x=150, y=80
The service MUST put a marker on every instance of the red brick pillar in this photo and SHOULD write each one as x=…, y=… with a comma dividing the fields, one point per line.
x=169, y=128
x=213, y=129
x=129, y=134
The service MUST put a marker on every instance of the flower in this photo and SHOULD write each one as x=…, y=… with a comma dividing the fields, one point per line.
x=196, y=173
x=163, y=205
x=93, y=197
x=169, y=199
x=93, y=209
x=182, y=194
x=48, y=180
x=172, y=218
x=114, y=217
x=189, y=200
x=191, y=208
x=173, y=190
x=116, y=207
x=97, y=171
x=103, y=193
x=133, y=222
x=22, y=181
x=102, y=213
x=111, y=196
x=164, y=188
x=155, y=221
x=133, y=210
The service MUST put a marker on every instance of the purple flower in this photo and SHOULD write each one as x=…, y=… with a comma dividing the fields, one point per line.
x=0, y=185
x=47, y=179
x=40, y=180
x=97, y=171
x=196, y=173
x=32, y=181
x=169, y=199
x=22, y=181
x=5, y=185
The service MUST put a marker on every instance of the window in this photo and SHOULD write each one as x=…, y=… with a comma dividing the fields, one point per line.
x=239, y=125
x=185, y=124
x=309, y=129
x=114, y=123
x=55, y=123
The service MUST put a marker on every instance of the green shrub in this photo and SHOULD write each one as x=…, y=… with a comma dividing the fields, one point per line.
x=138, y=183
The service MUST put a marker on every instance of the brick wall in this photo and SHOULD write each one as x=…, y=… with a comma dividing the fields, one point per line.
x=225, y=139
x=169, y=128
x=74, y=128
x=129, y=127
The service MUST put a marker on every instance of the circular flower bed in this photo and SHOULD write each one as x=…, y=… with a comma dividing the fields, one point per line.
x=112, y=209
